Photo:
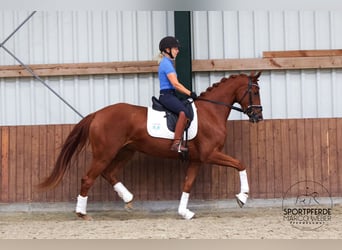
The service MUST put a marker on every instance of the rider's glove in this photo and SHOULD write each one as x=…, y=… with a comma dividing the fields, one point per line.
x=193, y=95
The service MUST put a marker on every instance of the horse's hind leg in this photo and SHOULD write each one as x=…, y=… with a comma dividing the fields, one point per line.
x=96, y=167
x=114, y=168
x=189, y=181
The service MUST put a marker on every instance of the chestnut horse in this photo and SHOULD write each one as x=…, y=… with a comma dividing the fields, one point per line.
x=116, y=132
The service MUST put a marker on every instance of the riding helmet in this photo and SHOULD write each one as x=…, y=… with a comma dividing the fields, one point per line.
x=168, y=42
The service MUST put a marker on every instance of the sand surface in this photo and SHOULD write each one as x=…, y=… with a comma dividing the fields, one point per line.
x=236, y=223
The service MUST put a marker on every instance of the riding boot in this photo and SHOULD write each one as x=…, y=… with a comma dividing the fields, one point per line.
x=179, y=130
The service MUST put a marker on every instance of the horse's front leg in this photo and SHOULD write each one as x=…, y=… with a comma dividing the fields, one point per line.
x=241, y=197
x=222, y=159
x=190, y=177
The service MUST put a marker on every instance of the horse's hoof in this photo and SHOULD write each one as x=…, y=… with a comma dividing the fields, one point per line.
x=241, y=199
x=129, y=206
x=84, y=216
x=187, y=214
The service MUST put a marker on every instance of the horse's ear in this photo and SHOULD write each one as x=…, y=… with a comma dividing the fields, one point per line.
x=256, y=76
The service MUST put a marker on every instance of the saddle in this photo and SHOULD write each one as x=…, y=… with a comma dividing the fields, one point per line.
x=171, y=118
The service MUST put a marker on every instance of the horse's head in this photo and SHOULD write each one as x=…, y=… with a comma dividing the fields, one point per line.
x=242, y=89
x=249, y=98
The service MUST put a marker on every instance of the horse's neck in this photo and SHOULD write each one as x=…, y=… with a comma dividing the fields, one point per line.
x=223, y=96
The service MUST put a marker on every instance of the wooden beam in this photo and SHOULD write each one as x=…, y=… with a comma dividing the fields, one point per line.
x=68, y=69
x=140, y=67
x=302, y=53
x=286, y=63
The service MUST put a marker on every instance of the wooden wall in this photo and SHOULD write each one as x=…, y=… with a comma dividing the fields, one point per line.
x=277, y=153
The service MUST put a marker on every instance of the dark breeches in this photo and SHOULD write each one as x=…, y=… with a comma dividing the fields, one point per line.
x=173, y=103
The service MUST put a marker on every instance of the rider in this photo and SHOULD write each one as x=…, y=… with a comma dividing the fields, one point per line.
x=169, y=48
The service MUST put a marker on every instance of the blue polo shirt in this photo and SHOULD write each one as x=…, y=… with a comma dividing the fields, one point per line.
x=165, y=67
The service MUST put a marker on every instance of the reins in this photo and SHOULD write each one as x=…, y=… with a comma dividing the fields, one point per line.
x=248, y=91
x=221, y=103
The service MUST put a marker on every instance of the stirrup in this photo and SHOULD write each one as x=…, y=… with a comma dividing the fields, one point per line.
x=178, y=147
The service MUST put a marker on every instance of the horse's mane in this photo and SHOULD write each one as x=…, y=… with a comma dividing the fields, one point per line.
x=217, y=84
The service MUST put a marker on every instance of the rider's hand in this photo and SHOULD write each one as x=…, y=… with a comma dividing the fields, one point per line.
x=193, y=95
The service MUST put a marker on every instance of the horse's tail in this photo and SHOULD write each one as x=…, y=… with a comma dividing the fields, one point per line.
x=75, y=142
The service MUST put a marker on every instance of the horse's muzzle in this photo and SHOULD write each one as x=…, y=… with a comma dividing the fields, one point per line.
x=254, y=113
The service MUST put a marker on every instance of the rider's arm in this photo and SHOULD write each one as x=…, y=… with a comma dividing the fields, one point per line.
x=178, y=86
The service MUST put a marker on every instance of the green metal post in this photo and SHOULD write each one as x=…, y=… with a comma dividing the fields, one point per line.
x=184, y=58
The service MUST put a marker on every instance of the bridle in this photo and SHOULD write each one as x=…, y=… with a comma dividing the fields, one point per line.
x=250, y=110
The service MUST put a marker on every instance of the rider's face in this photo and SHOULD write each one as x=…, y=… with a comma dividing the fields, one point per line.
x=174, y=52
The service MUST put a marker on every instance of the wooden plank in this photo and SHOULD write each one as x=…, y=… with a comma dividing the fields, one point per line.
x=5, y=140
x=339, y=159
x=151, y=178
x=301, y=150
x=317, y=153
x=277, y=162
x=43, y=169
x=308, y=149
x=287, y=63
x=143, y=176
x=284, y=157
x=325, y=145
x=198, y=187
x=269, y=159
x=20, y=164
x=215, y=181
x=67, y=69
x=222, y=179
x=332, y=160
x=50, y=159
x=293, y=152
x=177, y=181
x=206, y=184
x=160, y=179
x=57, y=142
x=302, y=53
x=143, y=67
x=261, y=160
x=27, y=166
x=12, y=194
x=164, y=181
x=254, y=170
x=35, y=161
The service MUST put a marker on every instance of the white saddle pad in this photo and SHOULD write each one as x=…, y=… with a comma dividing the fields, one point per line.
x=157, y=127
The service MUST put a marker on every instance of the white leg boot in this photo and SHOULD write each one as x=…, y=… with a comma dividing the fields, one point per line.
x=243, y=195
x=81, y=206
x=182, y=209
x=123, y=192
